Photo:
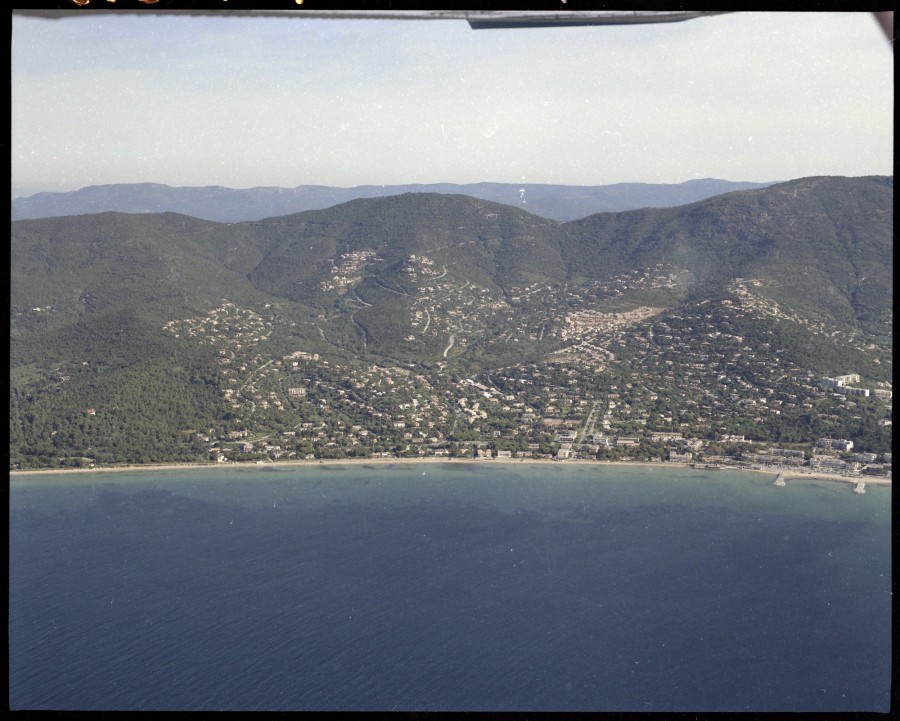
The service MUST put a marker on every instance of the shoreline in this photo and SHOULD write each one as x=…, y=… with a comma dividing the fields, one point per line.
x=784, y=474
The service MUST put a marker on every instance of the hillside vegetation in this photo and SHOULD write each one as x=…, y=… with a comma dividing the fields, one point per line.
x=147, y=311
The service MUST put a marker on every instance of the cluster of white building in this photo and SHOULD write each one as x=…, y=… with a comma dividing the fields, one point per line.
x=778, y=457
x=841, y=384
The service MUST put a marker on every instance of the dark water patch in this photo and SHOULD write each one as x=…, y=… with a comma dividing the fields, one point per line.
x=464, y=467
x=509, y=594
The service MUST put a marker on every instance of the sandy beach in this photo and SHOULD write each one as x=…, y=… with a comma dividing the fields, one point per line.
x=314, y=463
x=786, y=475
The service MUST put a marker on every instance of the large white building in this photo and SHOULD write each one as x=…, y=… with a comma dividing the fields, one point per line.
x=835, y=444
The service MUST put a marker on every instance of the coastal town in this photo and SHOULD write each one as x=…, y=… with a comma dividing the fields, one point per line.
x=618, y=370
x=625, y=385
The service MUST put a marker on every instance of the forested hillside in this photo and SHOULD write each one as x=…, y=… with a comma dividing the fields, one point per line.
x=169, y=327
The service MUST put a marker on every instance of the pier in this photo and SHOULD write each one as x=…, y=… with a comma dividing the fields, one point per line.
x=860, y=487
x=780, y=480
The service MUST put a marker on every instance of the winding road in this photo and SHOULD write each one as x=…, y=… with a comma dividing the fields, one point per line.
x=382, y=285
x=452, y=341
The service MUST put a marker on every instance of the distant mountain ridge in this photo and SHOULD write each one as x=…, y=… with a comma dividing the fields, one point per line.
x=229, y=205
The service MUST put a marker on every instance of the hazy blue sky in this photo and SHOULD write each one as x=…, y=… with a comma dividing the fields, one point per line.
x=249, y=101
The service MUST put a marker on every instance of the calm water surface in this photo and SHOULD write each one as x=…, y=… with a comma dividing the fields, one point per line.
x=448, y=587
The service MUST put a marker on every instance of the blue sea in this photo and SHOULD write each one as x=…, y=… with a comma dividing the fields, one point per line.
x=448, y=587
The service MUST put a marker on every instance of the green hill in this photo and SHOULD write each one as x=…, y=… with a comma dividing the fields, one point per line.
x=151, y=305
x=823, y=245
